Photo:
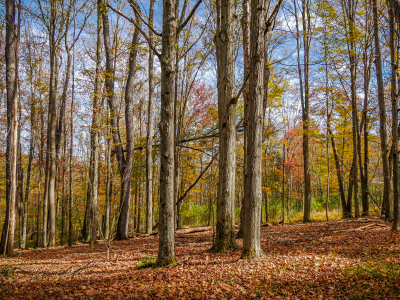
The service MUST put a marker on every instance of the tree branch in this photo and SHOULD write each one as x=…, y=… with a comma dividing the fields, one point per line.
x=141, y=18
x=197, y=179
x=138, y=27
x=234, y=100
x=272, y=17
x=179, y=29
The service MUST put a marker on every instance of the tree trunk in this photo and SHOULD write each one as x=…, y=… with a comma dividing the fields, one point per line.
x=367, y=60
x=382, y=114
x=71, y=197
x=28, y=173
x=52, y=125
x=124, y=164
x=326, y=45
x=246, y=59
x=11, y=53
x=253, y=192
x=283, y=181
x=123, y=220
x=150, y=129
x=225, y=48
x=338, y=171
x=95, y=135
x=395, y=122
x=166, y=249
x=40, y=166
x=107, y=231
x=306, y=111
x=62, y=130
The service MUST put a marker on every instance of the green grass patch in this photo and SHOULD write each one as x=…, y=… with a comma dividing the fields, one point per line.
x=147, y=262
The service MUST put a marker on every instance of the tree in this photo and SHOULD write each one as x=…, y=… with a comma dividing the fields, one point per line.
x=382, y=113
x=52, y=125
x=395, y=121
x=246, y=61
x=7, y=237
x=253, y=193
x=349, y=11
x=91, y=215
x=367, y=62
x=166, y=247
x=225, y=51
x=305, y=97
x=150, y=129
x=125, y=162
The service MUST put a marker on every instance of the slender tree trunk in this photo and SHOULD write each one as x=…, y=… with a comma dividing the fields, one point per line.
x=306, y=110
x=246, y=59
x=367, y=59
x=382, y=114
x=267, y=180
x=11, y=53
x=20, y=205
x=71, y=196
x=107, y=231
x=176, y=129
x=46, y=193
x=283, y=181
x=52, y=124
x=225, y=47
x=28, y=173
x=64, y=183
x=325, y=44
x=95, y=134
x=40, y=166
x=395, y=122
x=338, y=171
x=253, y=193
x=123, y=220
x=166, y=249
x=114, y=119
x=62, y=130
x=136, y=207
x=150, y=129
x=124, y=164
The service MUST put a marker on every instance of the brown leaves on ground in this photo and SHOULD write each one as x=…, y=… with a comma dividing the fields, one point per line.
x=349, y=259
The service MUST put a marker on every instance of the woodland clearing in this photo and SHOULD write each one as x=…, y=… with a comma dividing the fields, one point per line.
x=347, y=259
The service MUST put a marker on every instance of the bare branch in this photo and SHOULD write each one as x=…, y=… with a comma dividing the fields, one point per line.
x=272, y=17
x=197, y=179
x=179, y=29
x=141, y=18
x=235, y=99
x=138, y=27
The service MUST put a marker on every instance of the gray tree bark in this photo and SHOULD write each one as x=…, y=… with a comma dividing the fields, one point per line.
x=52, y=125
x=95, y=136
x=246, y=60
x=29, y=171
x=306, y=110
x=107, y=231
x=127, y=163
x=11, y=53
x=395, y=122
x=367, y=61
x=225, y=50
x=253, y=193
x=166, y=249
x=382, y=114
x=150, y=129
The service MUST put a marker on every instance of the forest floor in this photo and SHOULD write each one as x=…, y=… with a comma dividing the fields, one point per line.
x=348, y=259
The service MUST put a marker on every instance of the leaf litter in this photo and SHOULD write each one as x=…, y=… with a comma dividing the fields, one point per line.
x=347, y=259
